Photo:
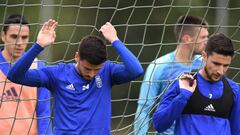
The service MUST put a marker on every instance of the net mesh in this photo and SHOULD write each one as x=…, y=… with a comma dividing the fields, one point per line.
x=145, y=26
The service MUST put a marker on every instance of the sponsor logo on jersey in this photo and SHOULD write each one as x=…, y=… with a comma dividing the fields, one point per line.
x=85, y=87
x=98, y=81
x=70, y=87
x=10, y=95
x=209, y=108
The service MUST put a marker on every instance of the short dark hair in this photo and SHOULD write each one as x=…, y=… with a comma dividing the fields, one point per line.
x=186, y=25
x=220, y=44
x=14, y=19
x=93, y=50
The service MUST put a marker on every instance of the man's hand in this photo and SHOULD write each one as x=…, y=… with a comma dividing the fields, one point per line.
x=47, y=35
x=109, y=32
x=186, y=81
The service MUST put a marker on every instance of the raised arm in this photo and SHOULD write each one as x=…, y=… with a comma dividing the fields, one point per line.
x=173, y=103
x=131, y=67
x=20, y=72
x=47, y=35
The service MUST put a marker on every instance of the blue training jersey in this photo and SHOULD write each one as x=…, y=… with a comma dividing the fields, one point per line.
x=175, y=100
x=80, y=106
x=43, y=106
x=159, y=75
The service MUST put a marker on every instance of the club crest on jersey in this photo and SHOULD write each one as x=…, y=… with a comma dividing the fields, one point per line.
x=98, y=81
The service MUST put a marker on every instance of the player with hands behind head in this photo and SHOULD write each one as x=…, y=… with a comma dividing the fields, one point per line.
x=82, y=90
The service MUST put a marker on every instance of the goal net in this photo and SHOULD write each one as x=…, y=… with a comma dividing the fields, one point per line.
x=145, y=26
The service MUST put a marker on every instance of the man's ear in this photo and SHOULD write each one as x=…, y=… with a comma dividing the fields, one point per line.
x=186, y=38
x=204, y=56
x=77, y=57
x=3, y=36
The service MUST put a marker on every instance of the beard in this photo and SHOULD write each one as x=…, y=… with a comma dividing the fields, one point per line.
x=208, y=74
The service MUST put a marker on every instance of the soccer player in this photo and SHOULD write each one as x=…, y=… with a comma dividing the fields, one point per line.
x=23, y=110
x=207, y=104
x=82, y=90
x=192, y=34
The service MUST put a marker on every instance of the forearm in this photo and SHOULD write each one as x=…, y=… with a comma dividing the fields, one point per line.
x=141, y=123
x=170, y=110
x=18, y=73
x=132, y=65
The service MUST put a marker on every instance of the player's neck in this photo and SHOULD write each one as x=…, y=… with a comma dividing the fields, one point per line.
x=203, y=73
x=8, y=57
x=183, y=54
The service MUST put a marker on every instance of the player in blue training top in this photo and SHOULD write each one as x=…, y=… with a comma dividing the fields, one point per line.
x=23, y=110
x=82, y=91
x=207, y=104
x=192, y=33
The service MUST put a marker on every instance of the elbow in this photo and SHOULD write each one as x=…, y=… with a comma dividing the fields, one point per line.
x=12, y=77
x=139, y=71
x=156, y=123
x=135, y=73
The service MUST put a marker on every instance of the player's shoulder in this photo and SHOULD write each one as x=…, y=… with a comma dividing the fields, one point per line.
x=235, y=88
x=60, y=67
x=163, y=60
x=40, y=63
x=66, y=66
x=233, y=84
x=197, y=58
x=157, y=67
x=108, y=64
